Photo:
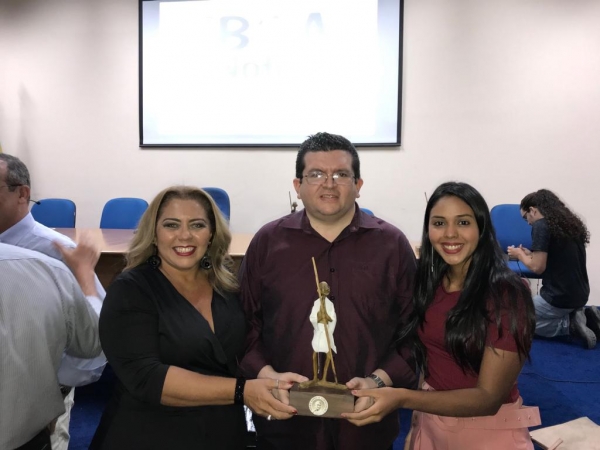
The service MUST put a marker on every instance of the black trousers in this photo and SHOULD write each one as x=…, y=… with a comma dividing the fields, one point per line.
x=40, y=442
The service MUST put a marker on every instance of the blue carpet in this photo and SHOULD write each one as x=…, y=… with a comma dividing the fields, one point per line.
x=561, y=379
x=89, y=405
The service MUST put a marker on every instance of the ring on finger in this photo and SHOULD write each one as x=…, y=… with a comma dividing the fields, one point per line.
x=269, y=417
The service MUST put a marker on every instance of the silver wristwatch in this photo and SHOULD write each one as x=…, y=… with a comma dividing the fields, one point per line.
x=376, y=379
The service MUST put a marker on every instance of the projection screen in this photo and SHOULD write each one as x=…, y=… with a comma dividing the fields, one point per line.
x=269, y=72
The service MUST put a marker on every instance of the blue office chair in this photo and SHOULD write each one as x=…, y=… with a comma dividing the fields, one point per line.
x=367, y=211
x=511, y=229
x=123, y=213
x=55, y=212
x=221, y=199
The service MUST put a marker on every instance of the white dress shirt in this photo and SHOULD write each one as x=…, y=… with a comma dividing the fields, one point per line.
x=43, y=314
x=33, y=235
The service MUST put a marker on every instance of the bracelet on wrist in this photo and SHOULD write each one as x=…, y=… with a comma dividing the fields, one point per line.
x=238, y=395
x=376, y=379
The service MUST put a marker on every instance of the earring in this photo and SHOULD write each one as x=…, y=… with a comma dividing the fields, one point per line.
x=432, y=259
x=154, y=260
x=205, y=262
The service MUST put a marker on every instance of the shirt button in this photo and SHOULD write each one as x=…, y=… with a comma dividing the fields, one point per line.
x=332, y=297
x=332, y=270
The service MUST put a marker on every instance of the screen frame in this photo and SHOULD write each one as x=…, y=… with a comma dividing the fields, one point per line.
x=262, y=145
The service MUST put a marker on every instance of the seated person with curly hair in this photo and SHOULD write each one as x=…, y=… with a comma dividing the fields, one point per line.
x=558, y=253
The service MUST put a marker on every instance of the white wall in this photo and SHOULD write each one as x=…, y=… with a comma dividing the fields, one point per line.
x=502, y=94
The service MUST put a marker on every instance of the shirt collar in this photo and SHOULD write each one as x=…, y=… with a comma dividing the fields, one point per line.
x=18, y=230
x=300, y=221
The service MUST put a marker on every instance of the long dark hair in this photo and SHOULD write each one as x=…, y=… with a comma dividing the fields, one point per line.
x=489, y=287
x=562, y=222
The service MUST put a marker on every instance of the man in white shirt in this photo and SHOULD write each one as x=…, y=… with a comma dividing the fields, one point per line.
x=45, y=311
x=17, y=227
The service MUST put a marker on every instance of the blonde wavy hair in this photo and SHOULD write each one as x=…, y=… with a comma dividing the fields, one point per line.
x=142, y=245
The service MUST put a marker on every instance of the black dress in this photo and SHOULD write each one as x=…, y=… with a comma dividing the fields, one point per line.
x=147, y=326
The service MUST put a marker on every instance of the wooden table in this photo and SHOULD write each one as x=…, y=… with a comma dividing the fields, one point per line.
x=113, y=246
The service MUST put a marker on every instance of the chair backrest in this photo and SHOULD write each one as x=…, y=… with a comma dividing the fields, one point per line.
x=367, y=211
x=221, y=199
x=55, y=212
x=510, y=227
x=123, y=213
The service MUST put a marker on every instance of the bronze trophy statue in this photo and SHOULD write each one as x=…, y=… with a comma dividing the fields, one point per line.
x=319, y=397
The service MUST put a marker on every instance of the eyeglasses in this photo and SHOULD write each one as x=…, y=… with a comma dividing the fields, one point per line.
x=341, y=178
x=524, y=216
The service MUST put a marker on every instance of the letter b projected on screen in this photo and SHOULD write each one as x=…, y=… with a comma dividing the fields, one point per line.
x=260, y=73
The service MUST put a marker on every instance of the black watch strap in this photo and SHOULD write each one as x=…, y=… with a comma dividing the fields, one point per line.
x=376, y=379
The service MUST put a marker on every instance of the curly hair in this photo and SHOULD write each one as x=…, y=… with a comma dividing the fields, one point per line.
x=142, y=246
x=562, y=222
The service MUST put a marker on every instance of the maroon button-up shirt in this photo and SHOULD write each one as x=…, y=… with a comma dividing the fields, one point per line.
x=370, y=269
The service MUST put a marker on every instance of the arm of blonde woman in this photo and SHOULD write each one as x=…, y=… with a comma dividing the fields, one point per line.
x=498, y=374
x=129, y=334
x=185, y=388
x=282, y=393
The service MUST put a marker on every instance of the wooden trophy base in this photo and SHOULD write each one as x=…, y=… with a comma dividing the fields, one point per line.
x=321, y=401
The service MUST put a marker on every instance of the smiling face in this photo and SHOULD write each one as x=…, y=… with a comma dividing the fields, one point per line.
x=328, y=202
x=183, y=234
x=453, y=232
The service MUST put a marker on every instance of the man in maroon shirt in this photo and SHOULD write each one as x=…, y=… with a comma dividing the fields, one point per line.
x=369, y=266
